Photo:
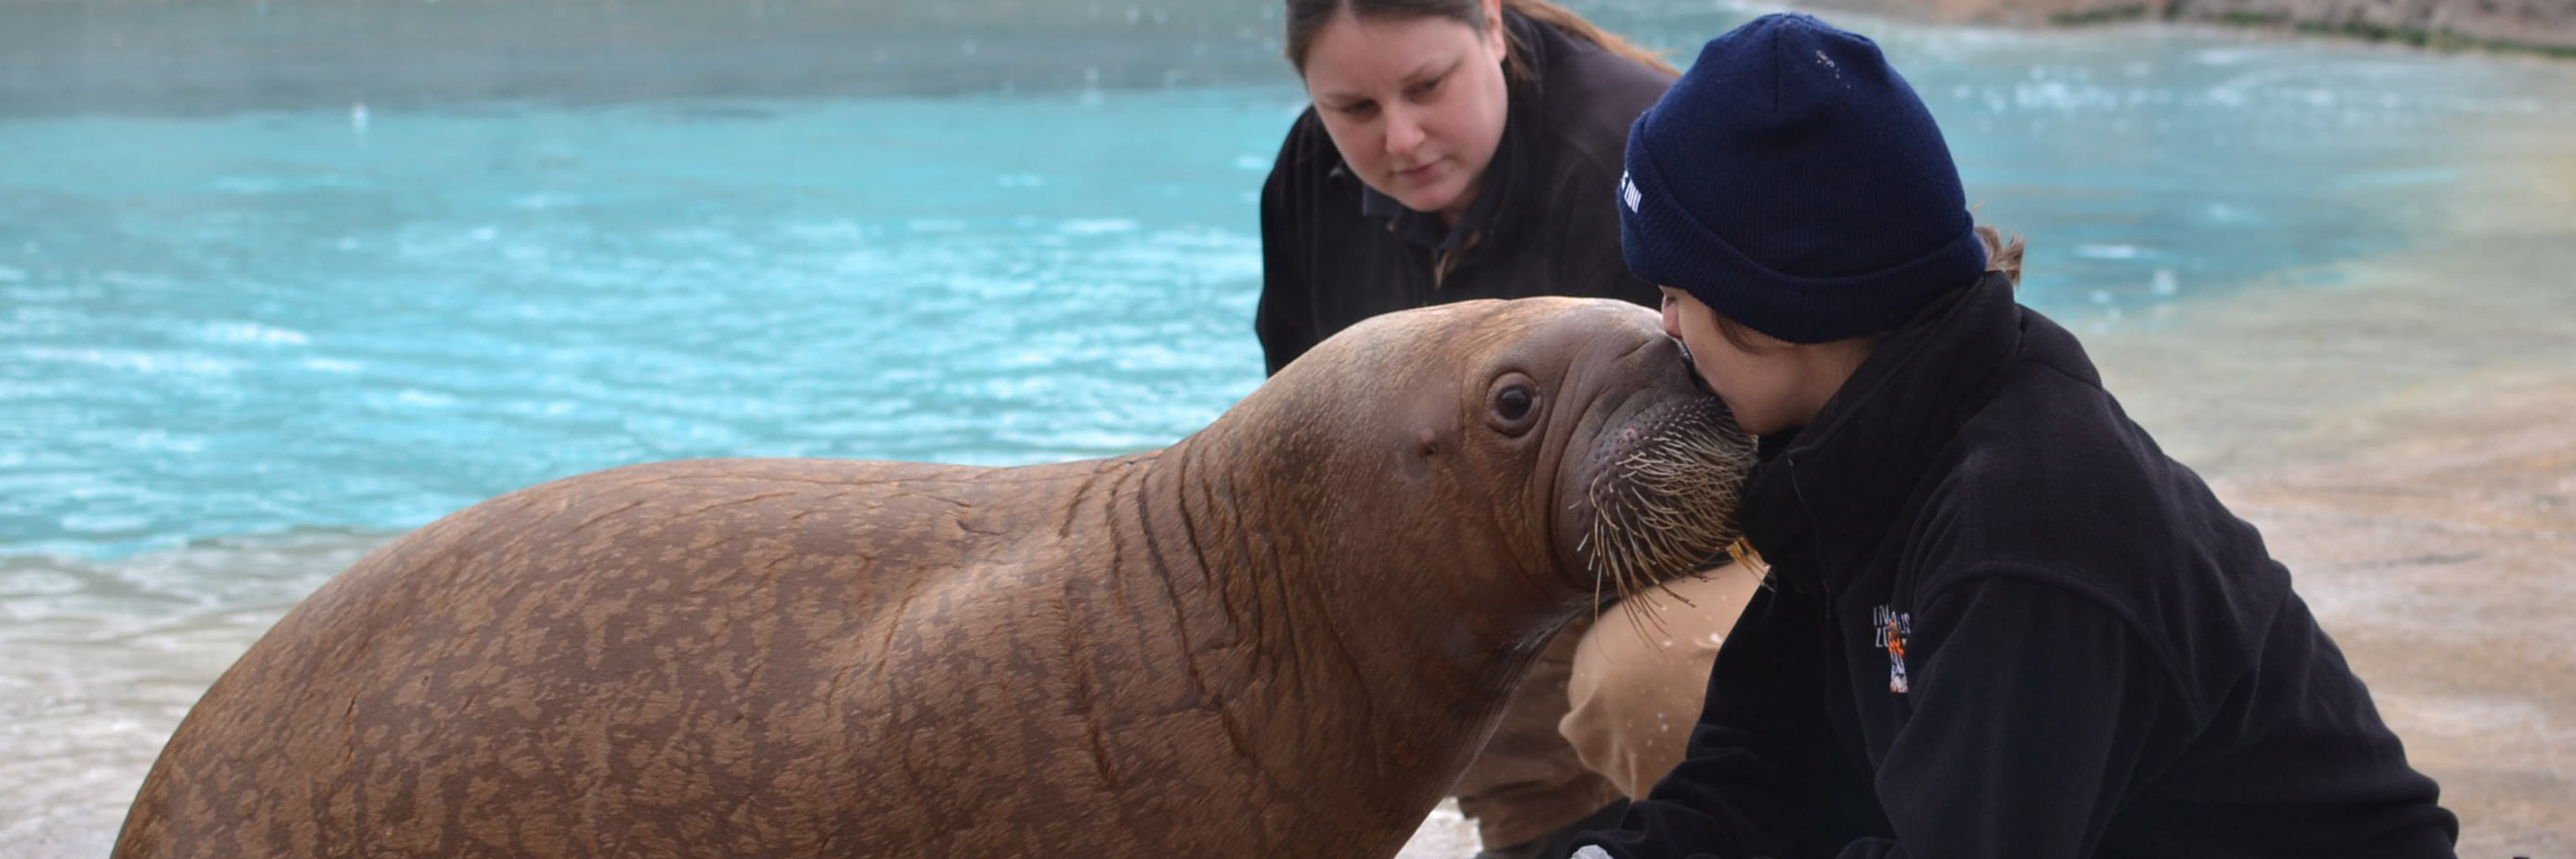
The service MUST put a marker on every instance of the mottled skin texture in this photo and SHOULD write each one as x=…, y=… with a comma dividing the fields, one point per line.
x=1283, y=635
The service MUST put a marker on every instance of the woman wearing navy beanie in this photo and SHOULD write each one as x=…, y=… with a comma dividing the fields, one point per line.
x=1999, y=621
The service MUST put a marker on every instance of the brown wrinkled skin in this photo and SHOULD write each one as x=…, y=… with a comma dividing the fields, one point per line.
x=1283, y=635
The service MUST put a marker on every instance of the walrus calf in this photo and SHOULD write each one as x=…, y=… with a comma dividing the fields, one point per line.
x=1283, y=635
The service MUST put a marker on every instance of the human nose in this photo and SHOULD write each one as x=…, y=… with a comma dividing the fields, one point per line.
x=1403, y=132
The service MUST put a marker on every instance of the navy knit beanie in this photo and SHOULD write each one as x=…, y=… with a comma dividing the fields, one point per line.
x=1793, y=182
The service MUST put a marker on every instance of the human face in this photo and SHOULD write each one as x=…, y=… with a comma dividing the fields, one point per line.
x=1770, y=384
x=1415, y=105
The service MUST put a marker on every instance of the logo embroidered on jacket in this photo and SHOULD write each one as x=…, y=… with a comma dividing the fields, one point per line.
x=1893, y=628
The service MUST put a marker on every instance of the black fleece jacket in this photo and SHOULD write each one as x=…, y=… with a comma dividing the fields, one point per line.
x=1335, y=252
x=2002, y=623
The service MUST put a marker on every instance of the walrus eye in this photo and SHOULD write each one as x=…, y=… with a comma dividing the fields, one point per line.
x=1515, y=404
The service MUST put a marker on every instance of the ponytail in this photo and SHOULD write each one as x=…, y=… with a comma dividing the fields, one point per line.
x=2001, y=255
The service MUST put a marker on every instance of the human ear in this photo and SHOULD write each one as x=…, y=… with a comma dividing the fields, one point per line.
x=1494, y=28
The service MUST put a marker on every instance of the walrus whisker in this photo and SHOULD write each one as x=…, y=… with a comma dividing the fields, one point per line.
x=1751, y=561
x=1640, y=617
x=1652, y=611
x=1652, y=627
x=1594, y=540
x=1667, y=587
x=1596, y=574
x=1669, y=510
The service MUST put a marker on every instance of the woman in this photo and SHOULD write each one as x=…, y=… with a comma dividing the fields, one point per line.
x=1461, y=149
x=1455, y=149
x=2001, y=623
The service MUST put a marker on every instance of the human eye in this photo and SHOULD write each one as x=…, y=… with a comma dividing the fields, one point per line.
x=1357, y=109
x=1426, y=89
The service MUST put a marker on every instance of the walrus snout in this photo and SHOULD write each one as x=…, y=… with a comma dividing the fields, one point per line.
x=1658, y=493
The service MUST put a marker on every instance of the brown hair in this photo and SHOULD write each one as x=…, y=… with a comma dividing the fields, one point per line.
x=2001, y=255
x=1306, y=18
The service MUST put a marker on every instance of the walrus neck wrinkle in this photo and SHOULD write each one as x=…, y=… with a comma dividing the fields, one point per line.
x=1275, y=621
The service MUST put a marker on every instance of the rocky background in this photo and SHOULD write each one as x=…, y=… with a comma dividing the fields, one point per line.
x=2544, y=26
x=216, y=56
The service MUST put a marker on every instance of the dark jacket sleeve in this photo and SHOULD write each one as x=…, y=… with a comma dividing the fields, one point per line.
x=1747, y=784
x=1284, y=320
x=2032, y=708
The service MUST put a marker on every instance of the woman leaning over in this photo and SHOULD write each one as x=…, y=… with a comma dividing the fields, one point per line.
x=1463, y=149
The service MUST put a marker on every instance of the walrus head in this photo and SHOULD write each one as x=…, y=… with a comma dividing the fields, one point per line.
x=1566, y=431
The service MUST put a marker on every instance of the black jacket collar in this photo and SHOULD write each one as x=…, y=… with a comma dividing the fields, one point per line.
x=1824, y=497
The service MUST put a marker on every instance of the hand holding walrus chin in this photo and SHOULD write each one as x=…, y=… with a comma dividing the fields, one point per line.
x=1282, y=635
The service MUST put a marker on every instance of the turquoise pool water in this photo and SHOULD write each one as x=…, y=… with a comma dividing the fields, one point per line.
x=239, y=347
x=261, y=322
x=364, y=317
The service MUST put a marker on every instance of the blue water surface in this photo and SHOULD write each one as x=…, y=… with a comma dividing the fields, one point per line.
x=364, y=317
x=254, y=323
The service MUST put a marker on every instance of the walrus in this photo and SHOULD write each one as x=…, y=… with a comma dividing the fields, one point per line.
x=1284, y=634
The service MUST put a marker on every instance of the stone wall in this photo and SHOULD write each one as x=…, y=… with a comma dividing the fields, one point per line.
x=2548, y=26
x=2542, y=24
